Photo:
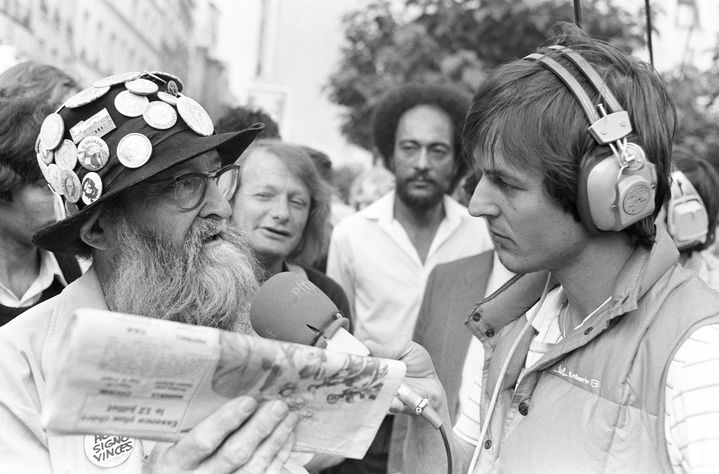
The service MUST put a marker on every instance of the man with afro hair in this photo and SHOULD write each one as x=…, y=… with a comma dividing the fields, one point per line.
x=382, y=255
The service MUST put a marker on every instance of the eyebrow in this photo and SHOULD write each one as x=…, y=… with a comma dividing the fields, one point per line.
x=494, y=173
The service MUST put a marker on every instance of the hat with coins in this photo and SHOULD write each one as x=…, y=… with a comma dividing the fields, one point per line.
x=117, y=133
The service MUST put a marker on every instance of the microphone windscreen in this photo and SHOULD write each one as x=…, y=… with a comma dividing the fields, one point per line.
x=286, y=304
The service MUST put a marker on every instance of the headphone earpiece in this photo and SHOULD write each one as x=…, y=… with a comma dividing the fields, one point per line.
x=619, y=190
x=612, y=197
x=687, y=217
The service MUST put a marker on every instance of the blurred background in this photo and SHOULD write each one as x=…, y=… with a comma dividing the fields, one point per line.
x=316, y=66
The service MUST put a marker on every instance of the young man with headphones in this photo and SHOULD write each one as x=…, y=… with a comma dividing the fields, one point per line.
x=690, y=216
x=601, y=354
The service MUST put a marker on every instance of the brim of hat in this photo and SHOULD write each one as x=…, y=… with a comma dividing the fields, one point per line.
x=63, y=236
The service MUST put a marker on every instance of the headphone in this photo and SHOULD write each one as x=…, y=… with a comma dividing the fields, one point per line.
x=687, y=217
x=619, y=190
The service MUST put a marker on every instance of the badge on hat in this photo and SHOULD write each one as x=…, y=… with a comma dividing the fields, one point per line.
x=134, y=150
x=195, y=116
x=66, y=155
x=93, y=153
x=91, y=187
x=86, y=96
x=130, y=104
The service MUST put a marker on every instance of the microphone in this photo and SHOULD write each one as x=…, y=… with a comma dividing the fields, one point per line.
x=290, y=308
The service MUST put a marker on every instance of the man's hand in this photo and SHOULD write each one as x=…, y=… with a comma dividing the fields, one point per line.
x=420, y=377
x=241, y=436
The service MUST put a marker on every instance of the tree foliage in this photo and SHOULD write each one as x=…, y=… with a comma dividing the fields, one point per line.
x=696, y=94
x=453, y=42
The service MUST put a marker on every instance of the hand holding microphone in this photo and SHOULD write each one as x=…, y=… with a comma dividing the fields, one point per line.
x=292, y=309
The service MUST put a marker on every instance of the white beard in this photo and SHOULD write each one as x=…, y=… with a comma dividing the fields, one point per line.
x=194, y=282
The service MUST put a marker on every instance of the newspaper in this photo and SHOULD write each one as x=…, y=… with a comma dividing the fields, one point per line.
x=151, y=379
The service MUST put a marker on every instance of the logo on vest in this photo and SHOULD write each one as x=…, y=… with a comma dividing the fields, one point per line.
x=108, y=451
x=562, y=371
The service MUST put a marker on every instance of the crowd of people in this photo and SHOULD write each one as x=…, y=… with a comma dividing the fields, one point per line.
x=540, y=258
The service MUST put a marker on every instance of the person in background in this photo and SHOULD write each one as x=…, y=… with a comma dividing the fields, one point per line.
x=690, y=216
x=452, y=290
x=283, y=205
x=601, y=354
x=383, y=255
x=369, y=186
x=147, y=196
x=338, y=209
x=28, y=274
x=241, y=117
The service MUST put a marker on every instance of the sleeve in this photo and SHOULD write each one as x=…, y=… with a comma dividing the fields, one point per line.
x=23, y=442
x=340, y=266
x=692, y=403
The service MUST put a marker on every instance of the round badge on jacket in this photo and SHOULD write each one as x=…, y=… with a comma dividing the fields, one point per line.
x=107, y=450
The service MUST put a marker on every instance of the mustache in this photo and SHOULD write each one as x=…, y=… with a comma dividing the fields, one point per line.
x=208, y=228
x=421, y=175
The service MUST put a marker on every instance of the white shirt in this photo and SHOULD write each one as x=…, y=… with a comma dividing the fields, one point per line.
x=49, y=269
x=692, y=388
x=372, y=258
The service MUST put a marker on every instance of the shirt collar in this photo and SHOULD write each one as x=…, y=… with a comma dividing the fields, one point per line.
x=49, y=268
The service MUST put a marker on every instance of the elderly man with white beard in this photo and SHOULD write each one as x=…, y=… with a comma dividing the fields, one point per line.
x=141, y=184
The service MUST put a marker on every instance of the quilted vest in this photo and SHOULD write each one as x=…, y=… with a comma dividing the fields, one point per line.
x=596, y=401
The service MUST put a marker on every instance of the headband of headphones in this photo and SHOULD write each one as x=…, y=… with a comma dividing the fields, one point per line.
x=606, y=128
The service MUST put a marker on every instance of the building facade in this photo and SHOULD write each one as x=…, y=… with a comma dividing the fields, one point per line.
x=95, y=38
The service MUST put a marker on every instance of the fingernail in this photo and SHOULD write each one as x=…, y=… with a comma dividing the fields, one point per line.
x=291, y=419
x=279, y=407
x=248, y=403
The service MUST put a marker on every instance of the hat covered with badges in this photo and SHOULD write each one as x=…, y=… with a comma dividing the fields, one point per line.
x=117, y=133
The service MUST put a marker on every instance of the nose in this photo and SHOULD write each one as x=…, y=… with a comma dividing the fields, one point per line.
x=280, y=211
x=482, y=203
x=422, y=161
x=215, y=203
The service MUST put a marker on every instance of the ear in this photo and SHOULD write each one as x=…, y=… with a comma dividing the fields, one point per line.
x=97, y=231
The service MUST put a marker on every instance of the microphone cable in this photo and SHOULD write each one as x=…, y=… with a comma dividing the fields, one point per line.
x=421, y=405
x=447, y=448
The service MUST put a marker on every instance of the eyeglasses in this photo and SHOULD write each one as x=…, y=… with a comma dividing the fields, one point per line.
x=189, y=189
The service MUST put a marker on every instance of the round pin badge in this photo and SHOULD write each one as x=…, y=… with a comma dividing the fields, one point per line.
x=66, y=155
x=43, y=166
x=108, y=450
x=51, y=131
x=130, y=104
x=70, y=185
x=53, y=177
x=134, y=150
x=59, y=207
x=91, y=187
x=142, y=86
x=172, y=88
x=110, y=81
x=71, y=208
x=160, y=115
x=165, y=97
x=93, y=153
x=195, y=116
x=86, y=96
x=47, y=156
x=166, y=77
